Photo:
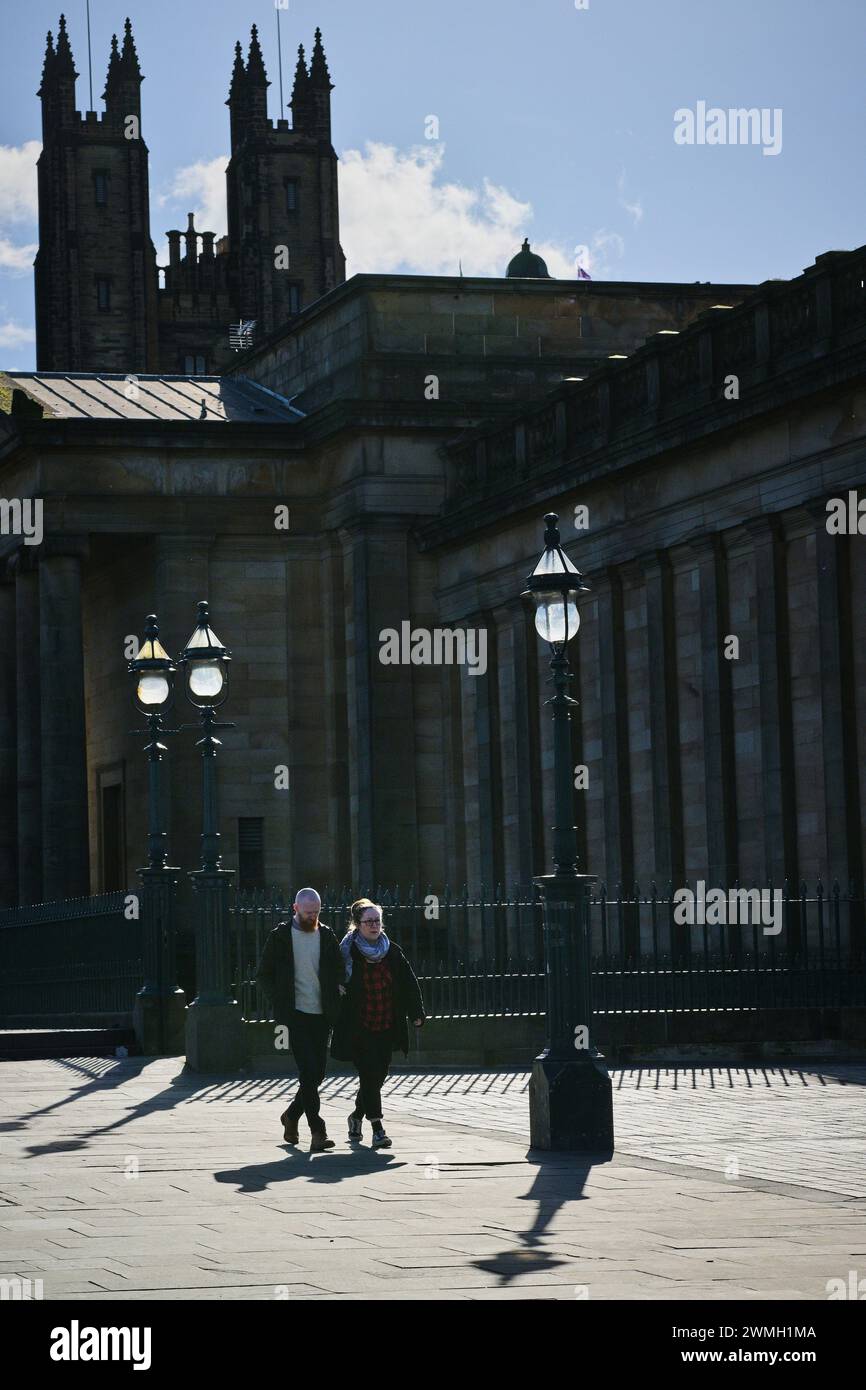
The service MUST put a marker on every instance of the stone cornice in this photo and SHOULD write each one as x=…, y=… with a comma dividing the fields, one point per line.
x=785, y=342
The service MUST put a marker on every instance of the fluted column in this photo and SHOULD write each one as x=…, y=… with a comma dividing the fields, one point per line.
x=65, y=851
x=778, y=787
x=29, y=761
x=719, y=762
x=381, y=704
x=618, y=831
x=8, y=740
x=664, y=721
x=527, y=751
x=838, y=711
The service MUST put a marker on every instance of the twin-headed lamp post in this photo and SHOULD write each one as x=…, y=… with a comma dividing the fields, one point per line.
x=570, y=1094
x=213, y=1018
x=158, y=1014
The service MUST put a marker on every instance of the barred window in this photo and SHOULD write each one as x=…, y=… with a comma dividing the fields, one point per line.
x=251, y=852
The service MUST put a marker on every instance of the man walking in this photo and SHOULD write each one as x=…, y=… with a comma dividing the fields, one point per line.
x=301, y=970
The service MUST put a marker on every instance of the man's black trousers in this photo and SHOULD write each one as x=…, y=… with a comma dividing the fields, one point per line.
x=308, y=1039
x=371, y=1053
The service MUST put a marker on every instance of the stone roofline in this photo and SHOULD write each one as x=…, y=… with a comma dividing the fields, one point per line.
x=795, y=336
x=483, y=284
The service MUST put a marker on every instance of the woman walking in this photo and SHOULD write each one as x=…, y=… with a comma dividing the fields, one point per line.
x=381, y=994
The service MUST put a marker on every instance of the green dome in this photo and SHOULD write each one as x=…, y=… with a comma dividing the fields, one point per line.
x=526, y=265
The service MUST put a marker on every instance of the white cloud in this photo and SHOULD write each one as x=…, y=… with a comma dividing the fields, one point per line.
x=396, y=215
x=18, y=203
x=198, y=188
x=635, y=209
x=18, y=259
x=18, y=181
x=13, y=335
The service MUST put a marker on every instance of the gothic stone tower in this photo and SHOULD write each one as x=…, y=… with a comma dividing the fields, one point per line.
x=283, y=218
x=99, y=305
x=95, y=270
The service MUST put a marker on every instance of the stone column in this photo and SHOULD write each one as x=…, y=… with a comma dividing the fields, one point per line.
x=778, y=787
x=618, y=838
x=29, y=776
x=341, y=825
x=380, y=700
x=720, y=789
x=489, y=766
x=454, y=781
x=838, y=706
x=527, y=748
x=65, y=847
x=664, y=722
x=8, y=741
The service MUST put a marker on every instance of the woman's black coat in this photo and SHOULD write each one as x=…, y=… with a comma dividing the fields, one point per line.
x=408, y=1004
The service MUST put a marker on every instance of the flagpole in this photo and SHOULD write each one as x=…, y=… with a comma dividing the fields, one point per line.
x=89, y=58
x=280, y=58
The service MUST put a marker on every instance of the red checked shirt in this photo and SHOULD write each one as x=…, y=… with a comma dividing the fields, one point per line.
x=377, y=995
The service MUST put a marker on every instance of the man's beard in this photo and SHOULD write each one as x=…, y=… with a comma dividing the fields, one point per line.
x=308, y=926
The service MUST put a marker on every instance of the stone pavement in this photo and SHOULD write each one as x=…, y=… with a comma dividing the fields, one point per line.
x=133, y=1180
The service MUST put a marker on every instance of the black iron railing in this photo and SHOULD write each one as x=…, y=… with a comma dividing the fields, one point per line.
x=476, y=954
x=75, y=956
x=483, y=955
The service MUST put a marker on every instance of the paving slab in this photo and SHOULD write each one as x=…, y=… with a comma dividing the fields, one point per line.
x=134, y=1179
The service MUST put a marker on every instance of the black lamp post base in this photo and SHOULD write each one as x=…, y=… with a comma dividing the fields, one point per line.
x=571, y=1104
x=158, y=1020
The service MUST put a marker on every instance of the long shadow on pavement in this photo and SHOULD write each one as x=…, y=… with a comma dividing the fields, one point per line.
x=559, y=1178
x=323, y=1168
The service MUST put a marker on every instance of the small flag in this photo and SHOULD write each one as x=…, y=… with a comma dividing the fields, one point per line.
x=242, y=335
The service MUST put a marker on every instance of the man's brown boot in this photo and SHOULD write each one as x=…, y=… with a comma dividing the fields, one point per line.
x=320, y=1141
x=290, y=1128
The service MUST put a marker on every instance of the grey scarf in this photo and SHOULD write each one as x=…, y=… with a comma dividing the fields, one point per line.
x=370, y=950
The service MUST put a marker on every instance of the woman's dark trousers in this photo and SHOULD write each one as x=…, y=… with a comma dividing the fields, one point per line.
x=372, y=1057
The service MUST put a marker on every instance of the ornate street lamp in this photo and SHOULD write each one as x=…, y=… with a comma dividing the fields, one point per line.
x=158, y=1012
x=570, y=1095
x=205, y=661
x=554, y=586
x=213, y=1018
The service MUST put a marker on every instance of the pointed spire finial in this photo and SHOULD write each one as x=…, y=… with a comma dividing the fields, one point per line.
x=129, y=57
x=300, y=98
x=255, y=62
x=65, y=63
x=113, y=68
x=239, y=74
x=301, y=74
x=319, y=74
x=50, y=60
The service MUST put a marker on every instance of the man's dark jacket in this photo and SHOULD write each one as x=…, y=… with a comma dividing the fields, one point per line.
x=276, y=972
x=408, y=1004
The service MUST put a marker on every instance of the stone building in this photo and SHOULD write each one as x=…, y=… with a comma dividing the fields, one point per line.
x=414, y=430
x=100, y=305
x=706, y=519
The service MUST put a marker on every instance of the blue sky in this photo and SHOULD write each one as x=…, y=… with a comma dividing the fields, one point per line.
x=554, y=122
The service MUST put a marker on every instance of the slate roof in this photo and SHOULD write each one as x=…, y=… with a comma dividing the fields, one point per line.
x=107, y=396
